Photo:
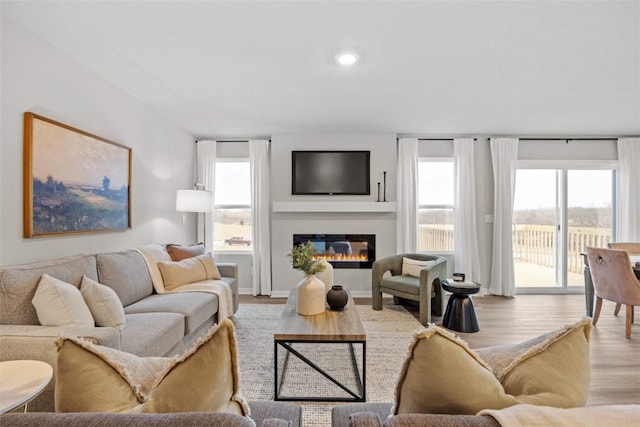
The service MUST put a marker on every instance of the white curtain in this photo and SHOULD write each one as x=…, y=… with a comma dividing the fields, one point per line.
x=629, y=176
x=407, y=204
x=504, y=153
x=206, y=175
x=467, y=257
x=260, y=216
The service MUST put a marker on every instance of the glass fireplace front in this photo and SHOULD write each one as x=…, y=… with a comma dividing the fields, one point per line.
x=342, y=250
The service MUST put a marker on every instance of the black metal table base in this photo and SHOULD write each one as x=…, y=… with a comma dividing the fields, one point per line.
x=361, y=380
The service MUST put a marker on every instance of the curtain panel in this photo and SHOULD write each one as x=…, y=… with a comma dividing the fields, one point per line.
x=467, y=256
x=260, y=216
x=629, y=200
x=407, y=205
x=206, y=175
x=504, y=154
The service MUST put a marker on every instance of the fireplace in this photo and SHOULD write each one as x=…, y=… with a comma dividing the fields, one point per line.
x=342, y=250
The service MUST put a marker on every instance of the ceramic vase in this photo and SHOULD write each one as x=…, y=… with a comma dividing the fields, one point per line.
x=337, y=297
x=326, y=275
x=311, y=296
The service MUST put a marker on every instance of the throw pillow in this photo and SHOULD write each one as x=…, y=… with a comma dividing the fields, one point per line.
x=412, y=267
x=92, y=378
x=103, y=302
x=180, y=252
x=441, y=374
x=58, y=303
x=190, y=270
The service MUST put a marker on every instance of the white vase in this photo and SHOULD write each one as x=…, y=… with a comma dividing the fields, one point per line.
x=311, y=296
x=326, y=275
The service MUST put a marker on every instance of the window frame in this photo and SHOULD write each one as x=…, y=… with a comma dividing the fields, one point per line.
x=223, y=207
x=452, y=207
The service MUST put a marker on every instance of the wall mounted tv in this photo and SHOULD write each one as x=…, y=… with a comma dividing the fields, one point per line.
x=330, y=172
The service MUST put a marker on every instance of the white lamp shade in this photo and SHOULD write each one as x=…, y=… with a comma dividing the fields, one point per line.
x=194, y=201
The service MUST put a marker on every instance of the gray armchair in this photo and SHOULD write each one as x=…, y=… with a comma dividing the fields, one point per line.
x=426, y=289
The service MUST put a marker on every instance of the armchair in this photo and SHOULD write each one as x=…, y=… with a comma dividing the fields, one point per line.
x=425, y=289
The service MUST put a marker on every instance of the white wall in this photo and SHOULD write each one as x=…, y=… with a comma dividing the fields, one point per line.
x=39, y=78
x=285, y=224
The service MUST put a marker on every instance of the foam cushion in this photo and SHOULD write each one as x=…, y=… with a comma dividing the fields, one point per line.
x=441, y=374
x=58, y=303
x=412, y=267
x=190, y=270
x=180, y=252
x=103, y=302
x=91, y=378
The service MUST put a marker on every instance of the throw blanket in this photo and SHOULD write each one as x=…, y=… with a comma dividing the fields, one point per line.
x=597, y=416
x=154, y=253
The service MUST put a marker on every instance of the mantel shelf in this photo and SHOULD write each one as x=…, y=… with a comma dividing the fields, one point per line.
x=324, y=206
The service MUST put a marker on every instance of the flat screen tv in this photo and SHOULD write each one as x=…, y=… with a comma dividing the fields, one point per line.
x=330, y=172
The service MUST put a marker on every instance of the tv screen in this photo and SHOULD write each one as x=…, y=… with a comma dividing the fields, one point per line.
x=330, y=172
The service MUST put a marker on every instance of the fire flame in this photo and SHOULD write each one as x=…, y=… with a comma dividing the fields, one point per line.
x=339, y=257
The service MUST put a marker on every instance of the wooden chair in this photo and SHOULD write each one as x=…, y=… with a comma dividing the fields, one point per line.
x=632, y=247
x=614, y=280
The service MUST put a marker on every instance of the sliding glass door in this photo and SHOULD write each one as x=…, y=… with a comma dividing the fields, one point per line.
x=556, y=214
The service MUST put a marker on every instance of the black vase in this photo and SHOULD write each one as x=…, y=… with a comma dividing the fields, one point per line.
x=337, y=298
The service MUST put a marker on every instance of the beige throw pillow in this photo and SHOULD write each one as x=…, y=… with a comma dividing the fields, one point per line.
x=103, y=302
x=190, y=270
x=412, y=267
x=58, y=303
x=92, y=378
x=442, y=375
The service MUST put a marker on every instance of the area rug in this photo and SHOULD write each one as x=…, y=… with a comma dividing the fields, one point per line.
x=389, y=334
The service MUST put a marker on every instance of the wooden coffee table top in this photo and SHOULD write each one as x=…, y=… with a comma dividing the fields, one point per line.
x=330, y=326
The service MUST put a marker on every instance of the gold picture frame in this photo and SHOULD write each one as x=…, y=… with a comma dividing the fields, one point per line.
x=73, y=181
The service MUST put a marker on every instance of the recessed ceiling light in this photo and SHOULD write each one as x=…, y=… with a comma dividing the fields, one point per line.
x=347, y=58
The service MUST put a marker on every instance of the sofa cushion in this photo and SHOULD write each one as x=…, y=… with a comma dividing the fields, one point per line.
x=152, y=334
x=408, y=284
x=92, y=378
x=18, y=285
x=126, y=273
x=180, y=252
x=58, y=303
x=103, y=302
x=196, y=307
x=442, y=375
x=190, y=270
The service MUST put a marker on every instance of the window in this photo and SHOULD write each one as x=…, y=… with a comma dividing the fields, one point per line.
x=556, y=214
x=435, y=204
x=232, y=213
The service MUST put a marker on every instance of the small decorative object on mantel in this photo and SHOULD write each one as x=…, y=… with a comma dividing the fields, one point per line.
x=311, y=290
x=337, y=298
x=384, y=179
x=326, y=275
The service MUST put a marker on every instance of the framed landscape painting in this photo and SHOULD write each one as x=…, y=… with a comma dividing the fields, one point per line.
x=74, y=182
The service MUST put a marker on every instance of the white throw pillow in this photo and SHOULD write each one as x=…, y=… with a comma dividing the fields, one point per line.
x=412, y=267
x=58, y=303
x=103, y=302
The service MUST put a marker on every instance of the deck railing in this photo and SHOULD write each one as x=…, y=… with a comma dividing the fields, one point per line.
x=535, y=244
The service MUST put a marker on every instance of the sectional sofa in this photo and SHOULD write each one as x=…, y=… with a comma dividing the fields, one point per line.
x=156, y=324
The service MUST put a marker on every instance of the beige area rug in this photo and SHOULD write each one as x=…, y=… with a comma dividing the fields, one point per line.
x=389, y=333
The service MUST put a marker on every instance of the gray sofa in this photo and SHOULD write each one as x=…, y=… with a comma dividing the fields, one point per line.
x=156, y=324
x=264, y=414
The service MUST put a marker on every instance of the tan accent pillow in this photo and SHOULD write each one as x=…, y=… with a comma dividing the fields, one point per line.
x=441, y=374
x=190, y=270
x=180, y=252
x=92, y=378
x=412, y=267
x=59, y=303
x=103, y=302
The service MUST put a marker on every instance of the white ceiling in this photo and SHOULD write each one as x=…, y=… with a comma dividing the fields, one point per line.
x=243, y=68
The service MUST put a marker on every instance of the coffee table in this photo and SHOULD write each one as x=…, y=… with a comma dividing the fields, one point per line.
x=330, y=327
x=21, y=381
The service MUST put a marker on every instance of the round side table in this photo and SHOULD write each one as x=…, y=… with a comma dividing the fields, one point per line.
x=460, y=314
x=21, y=381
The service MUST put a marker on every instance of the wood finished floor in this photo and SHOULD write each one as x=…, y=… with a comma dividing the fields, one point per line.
x=615, y=360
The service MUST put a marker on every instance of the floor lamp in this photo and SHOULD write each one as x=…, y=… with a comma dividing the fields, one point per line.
x=196, y=200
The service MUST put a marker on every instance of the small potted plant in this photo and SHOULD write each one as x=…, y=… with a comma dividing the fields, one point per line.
x=311, y=290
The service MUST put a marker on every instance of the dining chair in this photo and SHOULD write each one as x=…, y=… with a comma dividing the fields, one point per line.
x=632, y=247
x=614, y=280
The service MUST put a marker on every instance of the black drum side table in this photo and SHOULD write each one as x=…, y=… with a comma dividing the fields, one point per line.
x=460, y=314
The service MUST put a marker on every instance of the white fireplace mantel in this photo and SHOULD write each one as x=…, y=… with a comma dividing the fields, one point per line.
x=324, y=206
